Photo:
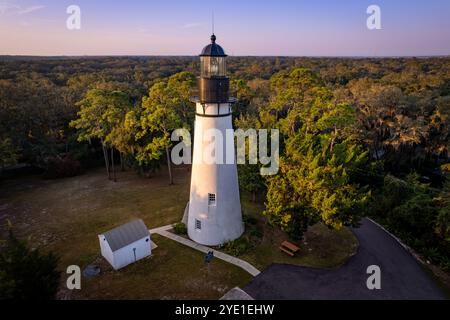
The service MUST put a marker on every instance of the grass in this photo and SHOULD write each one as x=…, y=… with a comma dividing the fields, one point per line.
x=172, y=272
x=65, y=216
x=68, y=214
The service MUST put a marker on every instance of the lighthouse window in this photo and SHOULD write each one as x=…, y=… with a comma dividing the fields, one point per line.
x=198, y=224
x=213, y=67
x=211, y=199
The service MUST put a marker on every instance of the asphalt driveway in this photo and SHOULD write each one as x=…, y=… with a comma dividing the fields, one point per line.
x=402, y=277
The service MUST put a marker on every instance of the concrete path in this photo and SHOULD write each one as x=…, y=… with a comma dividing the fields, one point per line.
x=236, y=294
x=402, y=277
x=163, y=231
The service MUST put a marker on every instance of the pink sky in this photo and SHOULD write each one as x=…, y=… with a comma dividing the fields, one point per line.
x=175, y=27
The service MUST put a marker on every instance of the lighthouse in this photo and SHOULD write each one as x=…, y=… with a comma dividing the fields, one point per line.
x=214, y=210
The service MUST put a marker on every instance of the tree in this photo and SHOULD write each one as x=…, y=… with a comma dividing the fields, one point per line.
x=416, y=213
x=180, y=87
x=101, y=113
x=244, y=96
x=439, y=138
x=405, y=131
x=316, y=184
x=250, y=178
x=118, y=106
x=165, y=109
x=318, y=170
x=443, y=218
x=158, y=119
x=34, y=114
x=27, y=274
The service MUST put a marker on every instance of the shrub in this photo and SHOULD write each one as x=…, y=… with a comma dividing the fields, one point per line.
x=180, y=228
x=62, y=167
x=256, y=233
x=248, y=220
x=237, y=247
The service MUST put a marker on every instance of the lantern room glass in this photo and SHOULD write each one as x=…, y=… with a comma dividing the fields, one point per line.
x=213, y=66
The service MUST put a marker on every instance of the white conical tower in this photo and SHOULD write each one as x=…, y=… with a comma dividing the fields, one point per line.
x=214, y=215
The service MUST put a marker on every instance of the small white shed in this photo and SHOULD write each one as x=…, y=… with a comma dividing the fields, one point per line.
x=126, y=244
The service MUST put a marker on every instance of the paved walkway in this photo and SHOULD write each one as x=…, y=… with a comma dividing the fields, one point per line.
x=236, y=294
x=163, y=231
x=402, y=277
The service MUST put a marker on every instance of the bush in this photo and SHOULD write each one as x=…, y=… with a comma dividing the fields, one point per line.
x=237, y=247
x=256, y=233
x=62, y=167
x=248, y=220
x=180, y=228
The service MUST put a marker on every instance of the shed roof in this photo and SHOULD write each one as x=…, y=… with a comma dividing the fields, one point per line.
x=126, y=234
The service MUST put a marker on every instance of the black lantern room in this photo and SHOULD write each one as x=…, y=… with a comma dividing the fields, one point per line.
x=214, y=83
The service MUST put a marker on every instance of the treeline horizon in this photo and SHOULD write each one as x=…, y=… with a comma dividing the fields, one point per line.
x=59, y=57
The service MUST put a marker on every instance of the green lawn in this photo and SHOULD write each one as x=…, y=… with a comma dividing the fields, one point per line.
x=67, y=215
x=173, y=271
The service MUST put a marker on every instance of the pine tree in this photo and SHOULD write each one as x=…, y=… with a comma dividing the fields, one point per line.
x=27, y=274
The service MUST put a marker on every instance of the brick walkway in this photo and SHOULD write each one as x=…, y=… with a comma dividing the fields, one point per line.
x=163, y=231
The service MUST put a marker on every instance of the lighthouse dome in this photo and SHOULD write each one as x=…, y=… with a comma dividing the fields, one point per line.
x=213, y=49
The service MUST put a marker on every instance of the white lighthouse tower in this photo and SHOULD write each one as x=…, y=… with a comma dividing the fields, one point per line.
x=214, y=215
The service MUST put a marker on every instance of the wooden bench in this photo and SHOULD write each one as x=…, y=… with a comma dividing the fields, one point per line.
x=289, y=248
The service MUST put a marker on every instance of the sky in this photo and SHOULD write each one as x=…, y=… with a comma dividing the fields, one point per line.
x=243, y=27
